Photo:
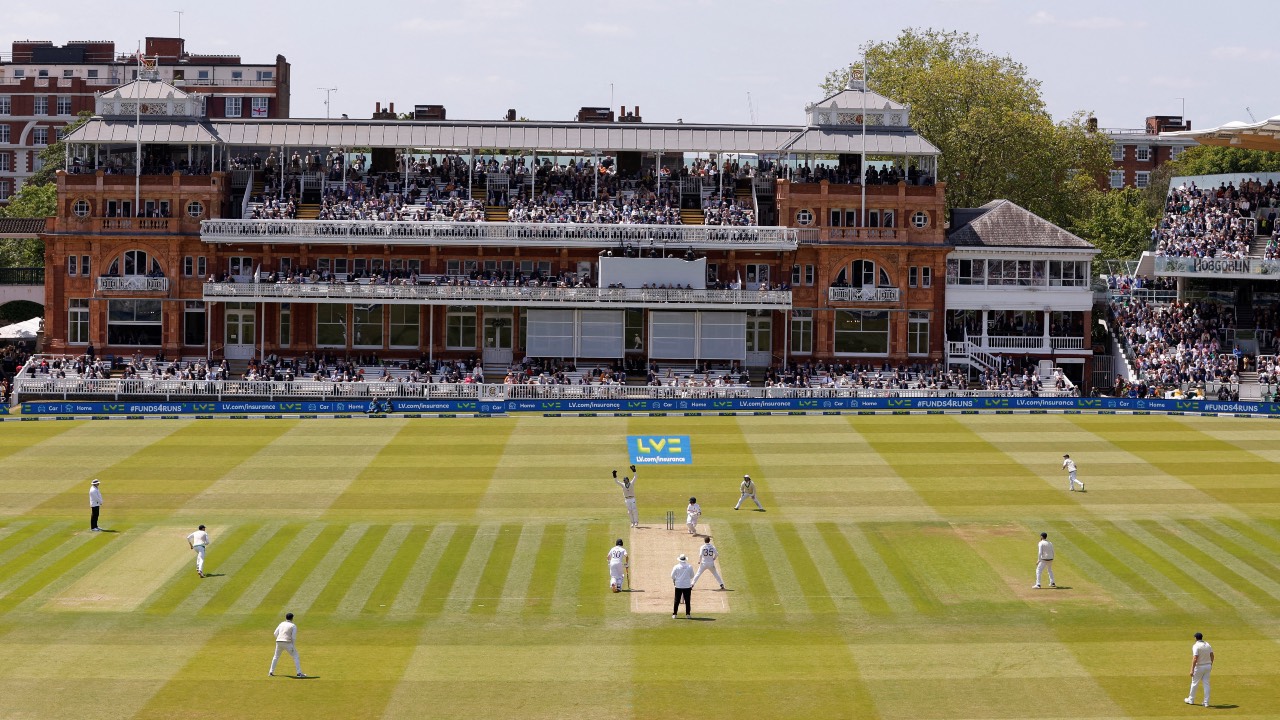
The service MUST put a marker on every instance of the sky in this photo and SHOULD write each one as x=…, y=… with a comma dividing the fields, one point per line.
x=713, y=61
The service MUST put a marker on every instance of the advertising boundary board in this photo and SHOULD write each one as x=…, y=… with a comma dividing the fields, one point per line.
x=710, y=406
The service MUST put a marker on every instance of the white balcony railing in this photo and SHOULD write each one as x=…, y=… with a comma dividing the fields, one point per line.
x=133, y=283
x=1021, y=343
x=493, y=295
x=864, y=295
x=500, y=234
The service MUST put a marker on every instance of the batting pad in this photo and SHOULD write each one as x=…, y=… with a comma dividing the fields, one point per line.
x=653, y=552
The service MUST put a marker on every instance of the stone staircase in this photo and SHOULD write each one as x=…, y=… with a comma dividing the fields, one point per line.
x=308, y=211
x=1250, y=389
x=691, y=216
x=495, y=213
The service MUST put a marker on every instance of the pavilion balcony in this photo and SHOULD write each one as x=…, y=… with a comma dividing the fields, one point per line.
x=496, y=234
x=497, y=295
x=863, y=295
x=133, y=283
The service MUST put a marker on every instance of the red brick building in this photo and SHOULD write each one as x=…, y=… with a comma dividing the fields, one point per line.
x=44, y=86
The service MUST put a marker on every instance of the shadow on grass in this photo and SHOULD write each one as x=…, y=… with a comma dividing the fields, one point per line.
x=700, y=619
x=1223, y=707
x=209, y=575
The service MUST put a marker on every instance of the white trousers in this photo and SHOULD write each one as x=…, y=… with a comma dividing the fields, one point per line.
x=1045, y=566
x=1200, y=678
x=691, y=521
x=631, y=510
x=199, y=559
x=705, y=567
x=293, y=652
x=753, y=499
x=1072, y=482
x=616, y=573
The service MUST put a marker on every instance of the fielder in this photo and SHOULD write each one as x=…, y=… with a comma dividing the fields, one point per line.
x=198, y=540
x=707, y=561
x=692, y=513
x=629, y=494
x=286, y=633
x=1070, y=466
x=617, y=566
x=1201, y=666
x=748, y=489
x=1044, y=561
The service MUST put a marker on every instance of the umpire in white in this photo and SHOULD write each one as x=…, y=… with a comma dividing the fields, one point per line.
x=682, y=578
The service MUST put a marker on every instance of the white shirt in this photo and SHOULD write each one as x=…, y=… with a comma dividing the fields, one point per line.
x=617, y=555
x=748, y=487
x=1045, y=550
x=708, y=554
x=682, y=575
x=1069, y=464
x=694, y=509
x=286, y=632
x=198, y=538
x=1203, y=651
x=95, y=496
x=628, y=488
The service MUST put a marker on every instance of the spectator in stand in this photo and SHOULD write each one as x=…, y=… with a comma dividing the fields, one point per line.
x=1176, y=344
x=1208, y=223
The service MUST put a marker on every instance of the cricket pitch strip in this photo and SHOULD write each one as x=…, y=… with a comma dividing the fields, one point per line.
x=653, y=552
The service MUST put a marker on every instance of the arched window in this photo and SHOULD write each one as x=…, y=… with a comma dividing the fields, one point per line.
x=135, y=263
x=862, y=273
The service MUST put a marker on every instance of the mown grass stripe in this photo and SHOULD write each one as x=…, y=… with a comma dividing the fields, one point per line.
x=398, y=569
x=39, y=547
x=799, y=568
x=308, y=592
x=855, y=573
x=58, y=568
x=15, y=532
x=488, y=590
x=1193, y=575
x=541, y=590
x=590, y=596
x=31, y=535
x=922, y=598
x=375, y=566
x=1114, y=549
x=173, y=593
x=516, y=588
x=413, y=589
x=1105, y=569
x=333, y=577
x=565, y=598
x=261, y=571
x=1243, y=560
x=761, y=596
x=285, y=587
x=1164, y=574
x=230, y=567
x=1254, y=532
x=1234, y=588
x=442, y=579
x=463, y=593
x=894, y=594
x=842, y=594
x=279, y=565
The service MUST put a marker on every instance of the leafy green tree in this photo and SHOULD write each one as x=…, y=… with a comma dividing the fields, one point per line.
x=986, y=116
x=1215, y=160
x=1118, y=222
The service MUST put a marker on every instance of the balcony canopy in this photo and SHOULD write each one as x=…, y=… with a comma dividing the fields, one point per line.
x=1263, y=135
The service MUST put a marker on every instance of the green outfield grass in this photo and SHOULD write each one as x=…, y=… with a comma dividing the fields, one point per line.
x=456, y=568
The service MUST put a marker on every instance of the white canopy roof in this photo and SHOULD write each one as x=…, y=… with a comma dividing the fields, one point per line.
x=24, y=330
x=1263, y=135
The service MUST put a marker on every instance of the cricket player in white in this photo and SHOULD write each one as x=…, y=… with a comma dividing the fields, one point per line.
x=617, y=566
x=692, y=513
x=198, y=540
x=748, y=489
x=707, y=561
x=1070, y=466
x=629, y=494
x=1044, y=560
x=1201, y=666
x=286, y=634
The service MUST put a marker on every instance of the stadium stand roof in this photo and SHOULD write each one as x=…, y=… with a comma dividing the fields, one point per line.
x=16, y=228
x=1264, y=135
x=1001, y=223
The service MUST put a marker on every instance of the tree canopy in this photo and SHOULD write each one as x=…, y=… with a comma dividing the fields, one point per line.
x=986, y=116
x=1217, y=160
x=1118, y=222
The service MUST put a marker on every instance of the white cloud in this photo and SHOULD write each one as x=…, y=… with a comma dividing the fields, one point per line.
x=1093, y=22
x=1247, y=54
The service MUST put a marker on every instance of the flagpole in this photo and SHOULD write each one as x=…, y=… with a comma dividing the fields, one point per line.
x=862, y=181
x=137, y=130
